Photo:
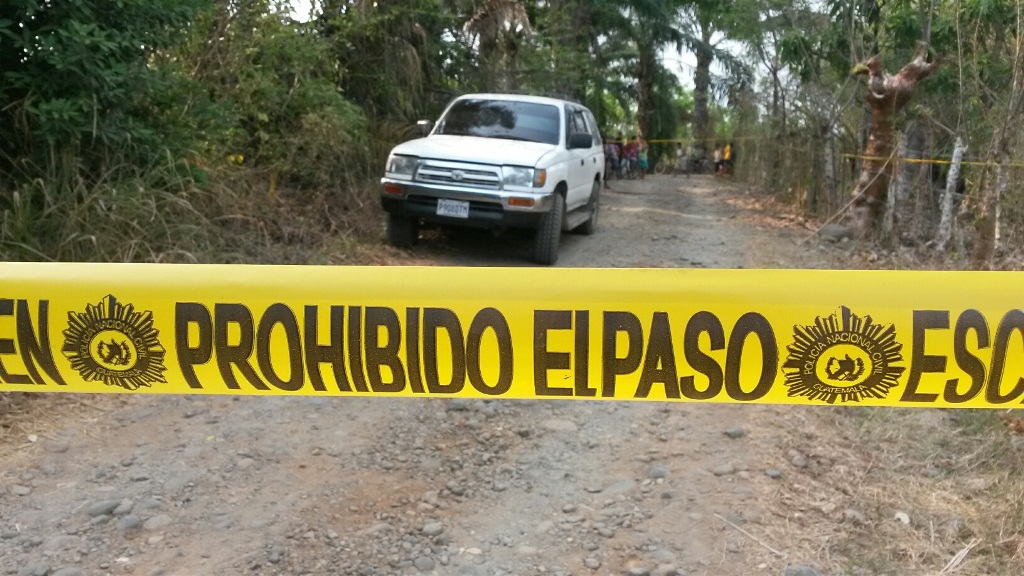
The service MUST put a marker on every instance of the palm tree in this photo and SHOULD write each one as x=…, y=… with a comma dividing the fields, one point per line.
x=498, y=29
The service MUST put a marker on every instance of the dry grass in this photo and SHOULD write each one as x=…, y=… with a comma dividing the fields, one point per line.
x=957, y=475
x=28, y=419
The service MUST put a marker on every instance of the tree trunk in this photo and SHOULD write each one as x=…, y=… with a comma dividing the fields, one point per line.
x=899, y=189
x=992, y=186
x=829, y=160
x=923, y=210
x=701, y=88
x=887, y=94
x=1002, y=184
x=946, y=220
x=646, y=66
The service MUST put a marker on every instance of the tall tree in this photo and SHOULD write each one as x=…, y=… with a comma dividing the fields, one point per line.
x=887, y=94
x=709, y=23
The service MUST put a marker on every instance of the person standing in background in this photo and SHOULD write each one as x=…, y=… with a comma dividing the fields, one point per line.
x=642, y=156
x=611, y=160
x=631, y=152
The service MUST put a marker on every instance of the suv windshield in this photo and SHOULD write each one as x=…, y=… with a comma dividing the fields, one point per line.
x=502, y=119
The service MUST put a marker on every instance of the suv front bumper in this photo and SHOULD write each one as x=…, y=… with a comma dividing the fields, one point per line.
x=487, y=208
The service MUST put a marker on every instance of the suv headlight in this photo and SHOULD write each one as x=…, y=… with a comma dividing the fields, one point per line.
x=525, y=177
x=402, y=165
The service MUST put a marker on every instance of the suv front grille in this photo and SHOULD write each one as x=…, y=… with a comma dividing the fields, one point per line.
x=455, y=176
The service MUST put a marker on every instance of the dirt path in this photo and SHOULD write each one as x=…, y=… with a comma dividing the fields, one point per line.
x=191, y=485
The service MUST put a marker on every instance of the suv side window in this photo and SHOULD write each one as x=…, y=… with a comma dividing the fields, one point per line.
x=578, y=124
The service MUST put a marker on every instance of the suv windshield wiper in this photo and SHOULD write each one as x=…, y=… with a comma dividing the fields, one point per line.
x=511, y=137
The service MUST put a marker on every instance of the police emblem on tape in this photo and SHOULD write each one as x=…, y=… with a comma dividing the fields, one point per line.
x=113, y=343
x=843, y=357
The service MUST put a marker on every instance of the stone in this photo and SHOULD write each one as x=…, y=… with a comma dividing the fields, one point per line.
x=123, y=508
x=69, y=571
x=723, y=469
x=902, y=517
x=799, y=461
x=432, y=529
x=423, y=563
x=773, y=473
x=569, y=508
x=128, y=522
x=592, y=563
x=735, y=432
x=157, y=522
x=19, y=490
x=97, y=520
x=455, y=488
x=56, y=446
x=102, y=507
x=656, y=470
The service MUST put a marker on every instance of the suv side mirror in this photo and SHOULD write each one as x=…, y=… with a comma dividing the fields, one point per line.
x=580, y=140
x=425, y=126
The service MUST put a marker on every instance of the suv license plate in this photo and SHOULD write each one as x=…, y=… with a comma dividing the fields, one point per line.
x=453, y=208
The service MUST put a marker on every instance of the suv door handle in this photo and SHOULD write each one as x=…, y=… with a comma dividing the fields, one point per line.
x=581, y=161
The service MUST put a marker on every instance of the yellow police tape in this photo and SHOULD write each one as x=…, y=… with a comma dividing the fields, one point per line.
x=945, y=339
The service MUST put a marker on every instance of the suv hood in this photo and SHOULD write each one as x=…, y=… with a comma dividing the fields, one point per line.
x=475, y=149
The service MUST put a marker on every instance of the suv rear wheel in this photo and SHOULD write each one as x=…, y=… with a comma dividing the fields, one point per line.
x=403, y=231
x=545, y=246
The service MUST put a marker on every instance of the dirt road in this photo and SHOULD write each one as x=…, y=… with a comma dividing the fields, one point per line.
x=192, y=485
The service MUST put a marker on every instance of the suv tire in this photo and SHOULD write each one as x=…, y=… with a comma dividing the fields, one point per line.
x=403, y=231
x=545, y=247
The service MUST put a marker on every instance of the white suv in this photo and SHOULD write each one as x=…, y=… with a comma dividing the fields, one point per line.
x=499, y=161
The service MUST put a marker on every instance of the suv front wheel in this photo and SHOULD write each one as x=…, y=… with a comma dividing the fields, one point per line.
x=403, y=231
x=545, y=247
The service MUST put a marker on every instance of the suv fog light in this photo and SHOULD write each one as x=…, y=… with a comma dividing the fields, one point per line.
x=524, y=202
